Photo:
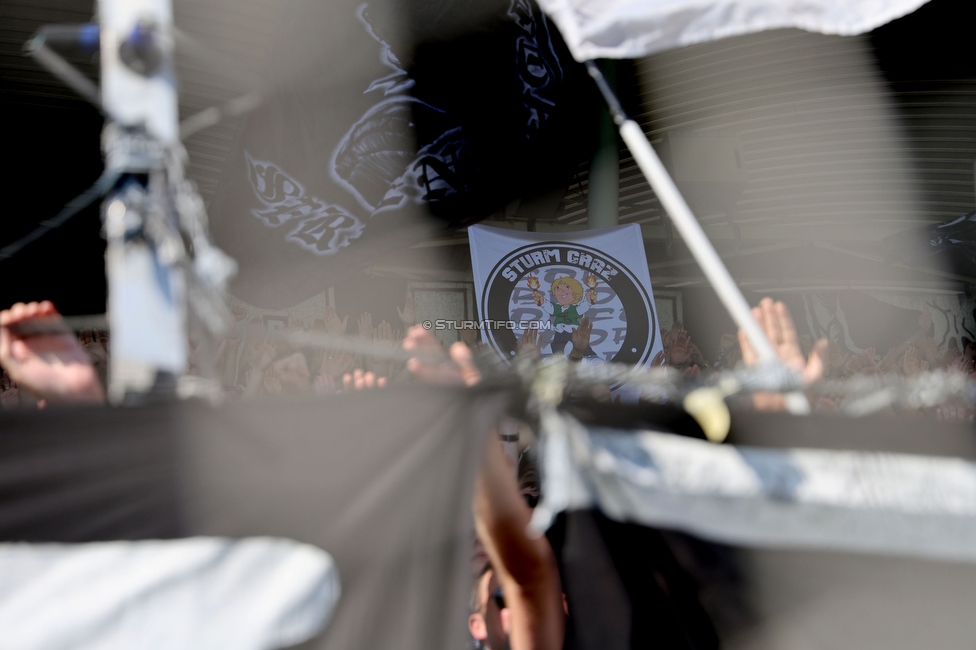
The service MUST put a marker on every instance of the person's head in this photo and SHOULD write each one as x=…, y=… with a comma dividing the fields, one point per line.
x=490, y=621
x=566, y=291
x=527, y=474
x=292, y=369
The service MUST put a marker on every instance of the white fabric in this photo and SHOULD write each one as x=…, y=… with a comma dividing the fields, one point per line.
x=199, y=593
x=627, y=29
x=880, y=503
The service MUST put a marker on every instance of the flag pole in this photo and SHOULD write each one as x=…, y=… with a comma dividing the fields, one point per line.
x=685, y=222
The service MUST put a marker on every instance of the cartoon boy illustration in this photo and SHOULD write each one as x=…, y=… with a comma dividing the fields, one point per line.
x=565, y=309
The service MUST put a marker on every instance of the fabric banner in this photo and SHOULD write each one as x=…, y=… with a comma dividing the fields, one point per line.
x=196, y=594
x=381, y=481
x=551, y=282
x=629, y=29
x=868, y=502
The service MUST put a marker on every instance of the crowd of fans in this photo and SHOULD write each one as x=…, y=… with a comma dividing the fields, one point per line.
x=822, y=359
x=255, y=362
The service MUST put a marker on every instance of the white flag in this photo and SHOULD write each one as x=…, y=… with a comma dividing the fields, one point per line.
x=627, y=29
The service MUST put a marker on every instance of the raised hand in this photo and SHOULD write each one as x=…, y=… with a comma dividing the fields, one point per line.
x=272, y=384
x=863, y=363
x=529, y=345
x=292, y=373
x=409, y=312
x=893, y=361
x=696, y=357
x=366, y=326
x=925, y=321
x=324, y=385
x=384, y=367
x=932, y=353
x=964, y=365
x=265, y=354
x=913, y=364
x=581, y=337
x=676, y=327
x=437, y=367
x=952, y=355
x=955, y=413
x=53, y=367
x=838, y=360
x=384, y=332
x=360, y=380
x=335, y=363
x=333, y=325
x=469, y=335
x=679, y=347
x=779, y=328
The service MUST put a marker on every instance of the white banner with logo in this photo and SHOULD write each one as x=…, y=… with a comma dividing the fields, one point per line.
x=551, y=281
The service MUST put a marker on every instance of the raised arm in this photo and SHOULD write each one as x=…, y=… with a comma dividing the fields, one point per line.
x=525, y=565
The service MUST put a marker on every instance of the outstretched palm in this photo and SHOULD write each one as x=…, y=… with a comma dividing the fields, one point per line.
x=52, y=366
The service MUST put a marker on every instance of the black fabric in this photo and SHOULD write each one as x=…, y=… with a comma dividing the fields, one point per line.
x=88, y=475
x=624, y=588
x=381, y=113
x=381, y=480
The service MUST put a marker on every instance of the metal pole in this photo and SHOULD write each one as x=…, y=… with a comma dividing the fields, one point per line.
x=686, y=223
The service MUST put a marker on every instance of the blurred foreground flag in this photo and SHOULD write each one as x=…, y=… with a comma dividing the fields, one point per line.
x=628, y=29
x=382, y=114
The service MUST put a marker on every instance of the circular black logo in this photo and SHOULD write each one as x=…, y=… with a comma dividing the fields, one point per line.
x=551, y=286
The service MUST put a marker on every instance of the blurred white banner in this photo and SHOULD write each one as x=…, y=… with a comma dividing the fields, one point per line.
x=199, y=593
x=627, y=29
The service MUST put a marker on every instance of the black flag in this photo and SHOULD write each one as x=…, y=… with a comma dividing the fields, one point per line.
x=383, y=114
